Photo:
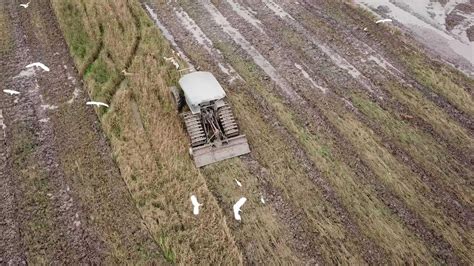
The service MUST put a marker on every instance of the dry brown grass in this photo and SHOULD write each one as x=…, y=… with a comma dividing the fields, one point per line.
x=144, y=130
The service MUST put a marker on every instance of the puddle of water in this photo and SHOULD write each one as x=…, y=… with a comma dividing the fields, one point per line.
x=381, y=62
x=2, y=125
x=306, y=76
x=191, y=26
x=49, y=107
x=223, y=69
x=167, y=35
x=277, y=10
x=247, y=14
x=427, y=20
x=29, y=72
x=257, y=57
x=75, y=94
x=341, y=62
x=337, y=59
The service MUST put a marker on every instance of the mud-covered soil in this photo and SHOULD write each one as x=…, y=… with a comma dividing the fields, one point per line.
x=315, y=57
x=362, y=139
x=62, y=197
x=444, y=27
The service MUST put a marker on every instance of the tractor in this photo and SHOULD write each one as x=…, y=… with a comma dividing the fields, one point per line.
x=212, y=128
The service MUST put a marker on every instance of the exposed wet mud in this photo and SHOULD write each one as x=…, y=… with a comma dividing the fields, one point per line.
x=45, y=215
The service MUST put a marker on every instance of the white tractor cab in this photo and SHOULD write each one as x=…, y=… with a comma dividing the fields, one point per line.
x=210, y=123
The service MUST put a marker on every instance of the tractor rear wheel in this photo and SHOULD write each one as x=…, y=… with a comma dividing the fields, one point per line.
x=177, y=98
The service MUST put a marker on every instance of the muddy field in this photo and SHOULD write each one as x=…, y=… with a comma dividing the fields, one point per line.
x=62, y=197
x=362, y=137
x=337, y=75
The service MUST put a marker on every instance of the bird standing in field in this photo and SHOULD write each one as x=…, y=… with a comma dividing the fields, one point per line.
x=25, y=5
x=196, y=205
x=98, y=104
x=11, y=92
x=38, y=64
x=237, y=207
x=238, y=182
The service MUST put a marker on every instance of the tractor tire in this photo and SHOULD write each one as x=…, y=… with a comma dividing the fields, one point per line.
x=177, y=98
x=227, y=120
x=195, y=129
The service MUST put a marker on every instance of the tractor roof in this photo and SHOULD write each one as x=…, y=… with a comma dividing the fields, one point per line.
x=201, y=87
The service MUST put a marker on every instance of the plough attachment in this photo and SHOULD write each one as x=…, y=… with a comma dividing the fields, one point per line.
x=215, y=152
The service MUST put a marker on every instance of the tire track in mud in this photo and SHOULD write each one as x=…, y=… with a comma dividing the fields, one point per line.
x=452, y=204
x=116, y=86
x=383, y=191
x=372, y=253
x=98, y=49
x=11, y=248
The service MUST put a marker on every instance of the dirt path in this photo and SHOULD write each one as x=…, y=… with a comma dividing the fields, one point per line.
x=63, y=200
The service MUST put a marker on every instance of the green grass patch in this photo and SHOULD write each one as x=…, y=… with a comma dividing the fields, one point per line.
x=71, y=17
x=168, y=252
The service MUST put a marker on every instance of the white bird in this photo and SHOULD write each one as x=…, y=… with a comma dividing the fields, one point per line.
x=11, y=92
x=196, y=205
x=125, y=73
x=172, y=60
x=25, y=5
x=262, y=199
x=38, y=64
x=237, y=207
x=176, y=53
x=98, y=104
x=238, y=183
x=383, y=21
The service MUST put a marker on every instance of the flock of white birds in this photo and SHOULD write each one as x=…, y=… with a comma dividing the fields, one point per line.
x=45, y=68
x=196, y=205
x=236, y=208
